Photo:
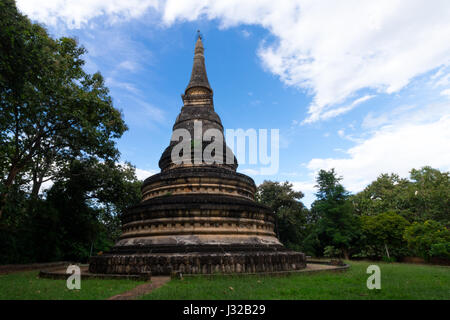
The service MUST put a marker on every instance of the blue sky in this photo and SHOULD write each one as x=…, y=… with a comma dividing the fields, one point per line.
x=352, y=85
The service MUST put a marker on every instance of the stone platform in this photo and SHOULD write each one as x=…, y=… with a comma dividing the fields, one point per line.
x=198, y=263
x=311, y=267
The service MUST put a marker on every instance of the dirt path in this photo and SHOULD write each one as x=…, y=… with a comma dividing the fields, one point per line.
x=142, y=289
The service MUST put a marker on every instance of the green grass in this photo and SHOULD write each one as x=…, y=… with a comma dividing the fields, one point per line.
x=398, y=281
x=28, y=286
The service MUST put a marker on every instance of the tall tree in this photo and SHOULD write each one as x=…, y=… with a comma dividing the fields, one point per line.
x=337, y=226
x=50, y=109
x=430, y=195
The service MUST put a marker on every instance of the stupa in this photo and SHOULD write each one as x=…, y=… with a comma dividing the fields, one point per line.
x=197, y=217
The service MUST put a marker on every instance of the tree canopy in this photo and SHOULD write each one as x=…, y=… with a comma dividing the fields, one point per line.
x=337, y=225
x=289, y=211
x=51, y=110
x=57, y=124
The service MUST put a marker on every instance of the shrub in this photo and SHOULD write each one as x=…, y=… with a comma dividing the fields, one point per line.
x=429, y=239
x=331, y=252
x=382, y=236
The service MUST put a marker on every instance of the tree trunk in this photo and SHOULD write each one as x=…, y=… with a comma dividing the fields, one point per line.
x=387, y=251
x=8, y=183
x=39, y=174
x=346, y=255
x=37, y=183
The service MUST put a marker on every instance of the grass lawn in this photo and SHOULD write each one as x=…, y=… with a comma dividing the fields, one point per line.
x=398, y=281
x=27, y=286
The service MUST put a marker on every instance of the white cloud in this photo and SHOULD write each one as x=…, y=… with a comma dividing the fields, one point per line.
x=142, y=174
x=445, y=92
x=341, y=133
x=340, y=110
x=246, y=33
x=371, y=121
x=401, y=139
x=75, y=14
x=128, y=65
x=336, y=48
x=113, y=83
x=308, y=190
x=397, y=146
x=141, y=113
x=333, y=49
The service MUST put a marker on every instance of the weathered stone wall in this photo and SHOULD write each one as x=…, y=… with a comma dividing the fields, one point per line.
x=199, y=263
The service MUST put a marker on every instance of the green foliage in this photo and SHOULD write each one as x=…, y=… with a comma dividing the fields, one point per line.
x=89, y=197
x=289, y=211
x=390, y=203
x=337, y=226
x=429, y=196
x=51, y=111
x=57, y=123
x=80, y=213
x=331, y=252
x=387, y=193
x=425, y=196
x=382, y=235
x=429, y=239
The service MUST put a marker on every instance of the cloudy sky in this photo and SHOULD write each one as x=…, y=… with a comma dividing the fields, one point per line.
x=359, y=86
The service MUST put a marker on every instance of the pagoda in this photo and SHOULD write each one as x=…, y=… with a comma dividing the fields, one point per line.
x=197, y=217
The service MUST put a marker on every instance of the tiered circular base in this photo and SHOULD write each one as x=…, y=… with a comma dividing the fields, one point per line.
x=198, y=220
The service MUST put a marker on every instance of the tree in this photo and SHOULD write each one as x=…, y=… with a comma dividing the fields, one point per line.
x=337, y=226
x=56, y=123
x=88, y=198
x=387, y=192
x=79, y=213
x=429, y=195
x=429, y=239
x=425, y=196
x=382, y=235
x=51, y=111
x=289, y=211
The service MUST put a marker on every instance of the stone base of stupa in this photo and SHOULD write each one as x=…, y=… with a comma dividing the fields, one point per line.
x=198, y=262
x=198, y=234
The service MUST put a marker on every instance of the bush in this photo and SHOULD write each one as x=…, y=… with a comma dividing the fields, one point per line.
x=382, y=236
x=429, y=239
x=331, y=252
